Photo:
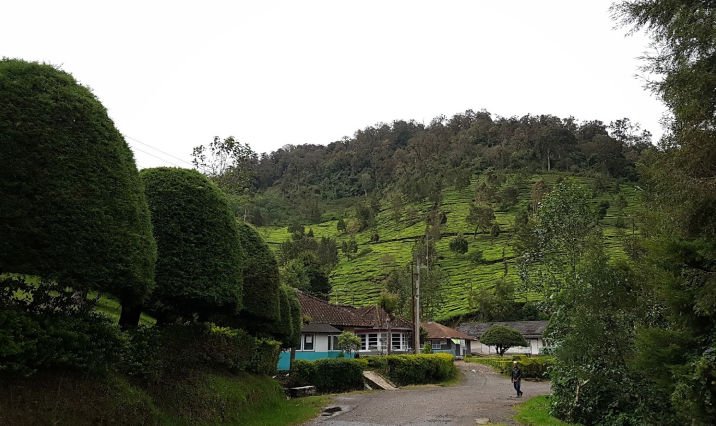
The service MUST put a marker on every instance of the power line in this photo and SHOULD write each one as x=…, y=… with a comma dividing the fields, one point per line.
x=159, y=150
x=157, y=157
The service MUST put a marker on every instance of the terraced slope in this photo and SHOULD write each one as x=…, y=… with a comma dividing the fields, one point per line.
x=359, y=281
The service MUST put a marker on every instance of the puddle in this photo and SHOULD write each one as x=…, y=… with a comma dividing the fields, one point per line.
x=331, y=411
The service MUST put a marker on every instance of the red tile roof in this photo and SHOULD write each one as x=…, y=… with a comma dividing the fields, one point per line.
x=321, y=312
x=439, y=331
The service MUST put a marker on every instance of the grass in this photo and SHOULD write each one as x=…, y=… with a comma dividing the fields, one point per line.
x=288, y=412
x=206, y=399
x=535, y=412
x=111, y=308
x=359, y=281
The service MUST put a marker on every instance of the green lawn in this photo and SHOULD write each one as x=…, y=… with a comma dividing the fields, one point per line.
x=535, y=412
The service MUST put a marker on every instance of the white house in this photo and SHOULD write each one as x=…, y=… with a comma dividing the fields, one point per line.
x=532, y=331
x=319, y=337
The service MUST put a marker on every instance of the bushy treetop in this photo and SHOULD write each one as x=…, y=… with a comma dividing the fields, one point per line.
x=502, y=338
x=73, y=208
x=199, y=267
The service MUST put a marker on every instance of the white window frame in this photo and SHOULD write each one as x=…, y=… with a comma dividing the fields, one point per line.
x=376, y=338
x=401, y=341
x=439, y=345
x=303, y=342
x=331, y=346
x=363, y=342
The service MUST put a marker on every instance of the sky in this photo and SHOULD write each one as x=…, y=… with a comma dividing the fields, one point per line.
x=174, y=74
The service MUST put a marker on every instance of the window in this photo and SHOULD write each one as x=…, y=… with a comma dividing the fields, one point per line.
x=333, y=343
x=363, y=342
x=373, y=341
x=436, y=345
x=308, y=342
x=397, y=341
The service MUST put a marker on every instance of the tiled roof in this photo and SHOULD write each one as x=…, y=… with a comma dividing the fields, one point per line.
x=319, y=328
x=321, y=312
x=529, y=329
x=439, y=331
x=378, y=318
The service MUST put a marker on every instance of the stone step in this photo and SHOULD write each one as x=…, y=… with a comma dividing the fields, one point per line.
x=377, y=381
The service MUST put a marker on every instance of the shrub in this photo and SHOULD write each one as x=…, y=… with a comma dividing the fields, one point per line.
x=532, y=367
x=459, y=244
x=265, y=359
x=199, y=253
x=329, y=375
x=73, y=208
x=140, y=354
x=30, y=342
x=415, y=369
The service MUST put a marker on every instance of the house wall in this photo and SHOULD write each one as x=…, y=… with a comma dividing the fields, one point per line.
x=534, y=348
x=320, y=351
x=447, y=346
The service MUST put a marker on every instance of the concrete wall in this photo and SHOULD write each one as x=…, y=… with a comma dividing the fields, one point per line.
x=534, y=348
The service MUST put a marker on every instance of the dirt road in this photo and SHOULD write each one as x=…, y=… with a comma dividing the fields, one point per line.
x=483, y=394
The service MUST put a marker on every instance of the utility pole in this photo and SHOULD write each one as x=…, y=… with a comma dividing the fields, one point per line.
x=416, y=317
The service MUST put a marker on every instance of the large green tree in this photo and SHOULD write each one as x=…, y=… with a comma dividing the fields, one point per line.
x=73, y=208
x=199, y=267
x=680, y=184
x=502, y=338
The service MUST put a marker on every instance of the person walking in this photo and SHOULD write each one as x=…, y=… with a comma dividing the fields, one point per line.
x=516, y=378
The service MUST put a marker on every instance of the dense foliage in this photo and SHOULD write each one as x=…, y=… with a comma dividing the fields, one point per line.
x=73, y=208
x=415, y=369
x=261, y=280
x=502, y=338
x=329, y=375
x=199, y=265
x=534, y=367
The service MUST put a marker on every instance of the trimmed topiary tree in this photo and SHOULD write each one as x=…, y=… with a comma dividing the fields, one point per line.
x=72, y=207
x=502, y=338
x=283, y=327
x=199, y=267
x=261, y=283
x=296, y=319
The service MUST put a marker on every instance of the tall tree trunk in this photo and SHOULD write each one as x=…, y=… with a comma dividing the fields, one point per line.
x=129, y=318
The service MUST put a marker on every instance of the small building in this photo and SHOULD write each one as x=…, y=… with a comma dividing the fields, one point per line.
x=326, y=321
x=444, y=339
x=532, y=331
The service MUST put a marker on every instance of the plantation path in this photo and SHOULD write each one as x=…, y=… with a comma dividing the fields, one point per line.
x=482, y=394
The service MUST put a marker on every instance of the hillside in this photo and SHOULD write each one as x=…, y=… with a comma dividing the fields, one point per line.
x=359, y=281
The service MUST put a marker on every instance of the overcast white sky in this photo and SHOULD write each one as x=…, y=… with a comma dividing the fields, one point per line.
x=174, y=74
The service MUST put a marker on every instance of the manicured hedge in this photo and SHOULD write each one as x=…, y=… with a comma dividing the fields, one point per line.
x=415, y=369
x=536, y=367
x=73, y=207
x=296, y=319
x=329, y=375
x=261, y=281
x=199, y=267
x=28, y=343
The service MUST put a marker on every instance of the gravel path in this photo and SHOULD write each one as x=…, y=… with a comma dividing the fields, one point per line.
x=483, y=394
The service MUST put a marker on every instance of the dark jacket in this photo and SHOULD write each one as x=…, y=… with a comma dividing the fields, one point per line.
x=516, y=373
